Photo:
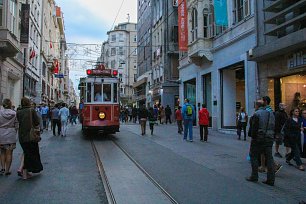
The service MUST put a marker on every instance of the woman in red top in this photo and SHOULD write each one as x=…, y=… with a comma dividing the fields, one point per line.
x=179, y=119
x=203, y=122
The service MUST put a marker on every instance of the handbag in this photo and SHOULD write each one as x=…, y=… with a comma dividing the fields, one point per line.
x=35, y=130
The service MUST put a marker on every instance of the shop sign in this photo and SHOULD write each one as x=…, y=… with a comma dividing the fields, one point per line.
x=297, y=60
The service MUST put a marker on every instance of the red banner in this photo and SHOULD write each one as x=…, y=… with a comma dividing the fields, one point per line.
x=182, y=25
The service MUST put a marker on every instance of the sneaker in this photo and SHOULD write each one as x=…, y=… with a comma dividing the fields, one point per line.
x=277, y=154
x=278, y=168
x=251, y=179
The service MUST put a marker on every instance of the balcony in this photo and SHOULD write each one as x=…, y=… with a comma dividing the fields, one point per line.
x=200, y=51
x=8, y=44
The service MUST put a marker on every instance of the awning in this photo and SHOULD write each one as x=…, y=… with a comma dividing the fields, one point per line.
x=141, y=81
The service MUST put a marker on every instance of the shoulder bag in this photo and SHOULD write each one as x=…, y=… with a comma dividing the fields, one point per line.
x=35, y=130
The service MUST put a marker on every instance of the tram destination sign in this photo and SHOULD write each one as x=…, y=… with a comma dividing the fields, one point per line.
x=102, y=72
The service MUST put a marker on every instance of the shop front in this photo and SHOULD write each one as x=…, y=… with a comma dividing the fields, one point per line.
x=284, y=80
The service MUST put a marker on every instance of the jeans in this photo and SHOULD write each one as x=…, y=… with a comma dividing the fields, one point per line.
x=143, y=122
x=64, y=124
x=295, y=153
x=179, y=126
x=205, y=128
x=188, y=127
x=265, y=148
x=56, y=122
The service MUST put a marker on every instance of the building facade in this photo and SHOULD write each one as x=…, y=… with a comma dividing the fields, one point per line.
x=280, y=52
x=158, y=54
x=120, y=52
x=144, y=51
x=215, y=70
x=11, y=54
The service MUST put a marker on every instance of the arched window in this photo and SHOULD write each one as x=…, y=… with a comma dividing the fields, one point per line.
x=194, y=24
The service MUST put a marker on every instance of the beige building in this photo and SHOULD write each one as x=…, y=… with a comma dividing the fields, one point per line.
x=11, y=55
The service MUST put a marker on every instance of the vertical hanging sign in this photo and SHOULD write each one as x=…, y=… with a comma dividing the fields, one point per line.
x=182, y=26
x=220, y=8
x=24, y=27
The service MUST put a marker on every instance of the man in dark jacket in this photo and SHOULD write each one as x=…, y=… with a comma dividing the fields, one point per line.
x=143, y=115
x=280, y=119
x=168, y=113
x=262, y=133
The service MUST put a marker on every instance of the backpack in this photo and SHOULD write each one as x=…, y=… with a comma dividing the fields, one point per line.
x=188, y=110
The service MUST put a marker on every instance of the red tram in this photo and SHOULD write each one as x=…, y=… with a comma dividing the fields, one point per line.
x=99, y=91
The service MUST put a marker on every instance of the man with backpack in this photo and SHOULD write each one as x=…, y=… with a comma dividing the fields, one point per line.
x=188, y=113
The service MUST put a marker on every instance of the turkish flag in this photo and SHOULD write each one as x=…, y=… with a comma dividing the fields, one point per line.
x=56, y=67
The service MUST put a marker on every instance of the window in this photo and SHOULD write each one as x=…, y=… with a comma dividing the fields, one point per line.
x=194, y=25
x=88, y=96
x=107, y=92
x=13, y=16
x=113, y=51
x=120, y=50
x=1, y=11
x=175, y=34
x=115, y=93
x=241, y=9
x=121, y=37
x=44, y=69
x=135, y=38
x=98, y=92
x=113, y=39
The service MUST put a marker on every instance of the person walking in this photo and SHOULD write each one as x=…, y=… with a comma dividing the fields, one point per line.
x=8, y=136
x=188, y=113
x=262, y=127
x=203, y=122
x=74, y=114
x=280, y=119
x=242, y=123
x=292, y=130
x=151, y=119
x=56, y=120
x=44, y=115
x=28, y=118
x=64, y=115
x=168, y=113
x=134, y=114
x=161, y=115
x=179, y=120
x=143, y=115
x=304, y=132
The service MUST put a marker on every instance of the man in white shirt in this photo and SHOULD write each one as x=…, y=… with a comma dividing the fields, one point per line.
x=64, y=114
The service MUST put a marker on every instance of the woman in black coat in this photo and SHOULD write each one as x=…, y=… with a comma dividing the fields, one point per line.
x=292, y=131
x=27, y=117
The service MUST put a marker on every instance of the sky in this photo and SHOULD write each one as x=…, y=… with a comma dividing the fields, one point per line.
x=87, y=23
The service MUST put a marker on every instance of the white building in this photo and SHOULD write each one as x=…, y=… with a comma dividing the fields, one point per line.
x=215, y=70
x=120, y=52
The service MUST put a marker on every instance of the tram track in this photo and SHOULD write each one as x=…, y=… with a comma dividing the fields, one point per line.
x=108, y=190
x=110, y=196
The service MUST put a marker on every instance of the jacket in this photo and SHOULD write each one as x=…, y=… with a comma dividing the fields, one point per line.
x=178, y=115
x=262, y=125
x=292, y=131
x=203, y=117
x=23, y=117
x=143, y=113
x=8, y=126
x=280, y=119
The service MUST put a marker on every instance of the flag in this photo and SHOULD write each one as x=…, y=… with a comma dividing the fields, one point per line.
x=56, y=66
x=32, y=53
x=51, y=45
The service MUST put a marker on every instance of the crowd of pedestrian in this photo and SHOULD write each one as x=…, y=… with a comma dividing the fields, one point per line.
x=26, y=124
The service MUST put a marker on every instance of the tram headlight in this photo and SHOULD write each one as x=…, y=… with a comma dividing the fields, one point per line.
x=102, y=115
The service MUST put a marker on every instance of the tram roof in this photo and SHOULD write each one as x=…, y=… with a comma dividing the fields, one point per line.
x=100, y=78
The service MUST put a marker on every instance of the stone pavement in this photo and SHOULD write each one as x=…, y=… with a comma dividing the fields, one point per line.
x=70, y=173
x=226, y=156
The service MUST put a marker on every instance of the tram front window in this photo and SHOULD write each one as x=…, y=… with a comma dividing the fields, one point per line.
x=107, y=92
x=97, y=91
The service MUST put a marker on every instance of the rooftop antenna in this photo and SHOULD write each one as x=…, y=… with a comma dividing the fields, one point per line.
x=128, y=17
